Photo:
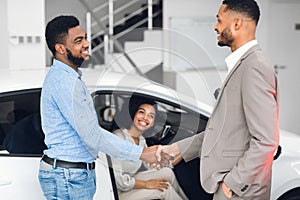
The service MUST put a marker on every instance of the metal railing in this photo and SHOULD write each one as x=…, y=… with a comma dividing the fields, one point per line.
x=111, y=39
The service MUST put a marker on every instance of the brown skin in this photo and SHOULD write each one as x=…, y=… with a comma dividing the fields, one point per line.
x=158, y=184
x=148, y=153
x=149, y=156
x=76, y=42
x=143, y=120
x=234, y=31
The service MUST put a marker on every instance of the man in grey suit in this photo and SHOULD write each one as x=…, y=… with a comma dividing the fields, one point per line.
x=236, y=149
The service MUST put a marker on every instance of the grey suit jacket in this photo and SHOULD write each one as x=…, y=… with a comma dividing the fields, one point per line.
x=242, y=133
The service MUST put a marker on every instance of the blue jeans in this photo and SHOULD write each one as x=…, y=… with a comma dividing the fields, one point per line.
x=67, y=184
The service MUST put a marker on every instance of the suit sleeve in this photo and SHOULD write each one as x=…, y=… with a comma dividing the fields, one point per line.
x=190, y=147
x=261, y=113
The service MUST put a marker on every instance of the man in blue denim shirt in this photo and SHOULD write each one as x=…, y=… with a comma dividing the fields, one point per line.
x=69, y=120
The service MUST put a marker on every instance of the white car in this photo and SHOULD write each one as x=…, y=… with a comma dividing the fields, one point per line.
x=21, y=138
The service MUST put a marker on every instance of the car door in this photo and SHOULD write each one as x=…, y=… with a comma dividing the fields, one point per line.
x=21, y=144
x=173, y=122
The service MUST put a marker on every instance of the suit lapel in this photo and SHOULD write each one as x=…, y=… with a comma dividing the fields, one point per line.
x=251, y=50
x=215, y=138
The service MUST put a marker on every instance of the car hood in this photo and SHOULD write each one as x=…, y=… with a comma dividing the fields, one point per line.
x=20, y=79
x=97, y=80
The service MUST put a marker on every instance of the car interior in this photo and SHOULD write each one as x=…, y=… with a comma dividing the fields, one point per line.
x=21, y=133
x=20, y=123
x=172, y=123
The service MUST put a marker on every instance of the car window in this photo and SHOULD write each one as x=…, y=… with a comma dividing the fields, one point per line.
x=20, y=123
x=173, y=122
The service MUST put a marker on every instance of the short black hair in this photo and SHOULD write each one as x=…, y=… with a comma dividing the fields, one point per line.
x=57, y=30
x=247, y=7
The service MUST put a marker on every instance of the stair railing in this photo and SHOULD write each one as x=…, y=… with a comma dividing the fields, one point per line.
x=108, y=32
x=150, y=15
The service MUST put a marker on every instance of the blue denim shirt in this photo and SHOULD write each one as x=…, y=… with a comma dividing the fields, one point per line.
x=70, y=122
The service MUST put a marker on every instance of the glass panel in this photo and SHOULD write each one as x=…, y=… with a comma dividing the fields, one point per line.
x=20, y=123
x=172, y=122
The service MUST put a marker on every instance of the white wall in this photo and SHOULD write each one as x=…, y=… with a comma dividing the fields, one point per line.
x=203, y=13
x=3, y=35
x=275, y=34
x=284, y=48
x=176, y=9
x=25, y=26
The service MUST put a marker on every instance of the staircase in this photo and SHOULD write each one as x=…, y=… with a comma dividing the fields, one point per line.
x=127, y=44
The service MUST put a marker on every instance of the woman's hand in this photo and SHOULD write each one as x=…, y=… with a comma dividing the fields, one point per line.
x=159, y=184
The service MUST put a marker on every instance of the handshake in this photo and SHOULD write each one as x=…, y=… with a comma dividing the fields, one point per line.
x=159, y=156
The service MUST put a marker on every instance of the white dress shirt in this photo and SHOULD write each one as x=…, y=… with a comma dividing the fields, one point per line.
x=235, y=56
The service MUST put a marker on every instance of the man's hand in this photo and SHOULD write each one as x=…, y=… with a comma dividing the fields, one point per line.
x=170, y=150
x=227, y=191
x=165, y=155
x=148, y=154
x=155, y=157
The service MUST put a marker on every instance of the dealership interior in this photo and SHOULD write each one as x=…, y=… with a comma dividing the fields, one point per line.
x=186, y=29
x=171, y=42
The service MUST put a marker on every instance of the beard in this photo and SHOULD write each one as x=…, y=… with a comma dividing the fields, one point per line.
x=74, y=60
x=225, y=38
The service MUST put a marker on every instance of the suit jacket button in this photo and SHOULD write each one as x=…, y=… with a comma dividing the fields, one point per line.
x=244, y=188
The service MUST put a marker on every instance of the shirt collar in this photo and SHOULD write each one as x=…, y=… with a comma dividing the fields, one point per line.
x=67, y=68
x=235, y=56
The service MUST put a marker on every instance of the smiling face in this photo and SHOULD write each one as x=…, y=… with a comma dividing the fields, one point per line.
x=75, y=50
x=144, y=118
x=77, y=46
x=223, y=27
